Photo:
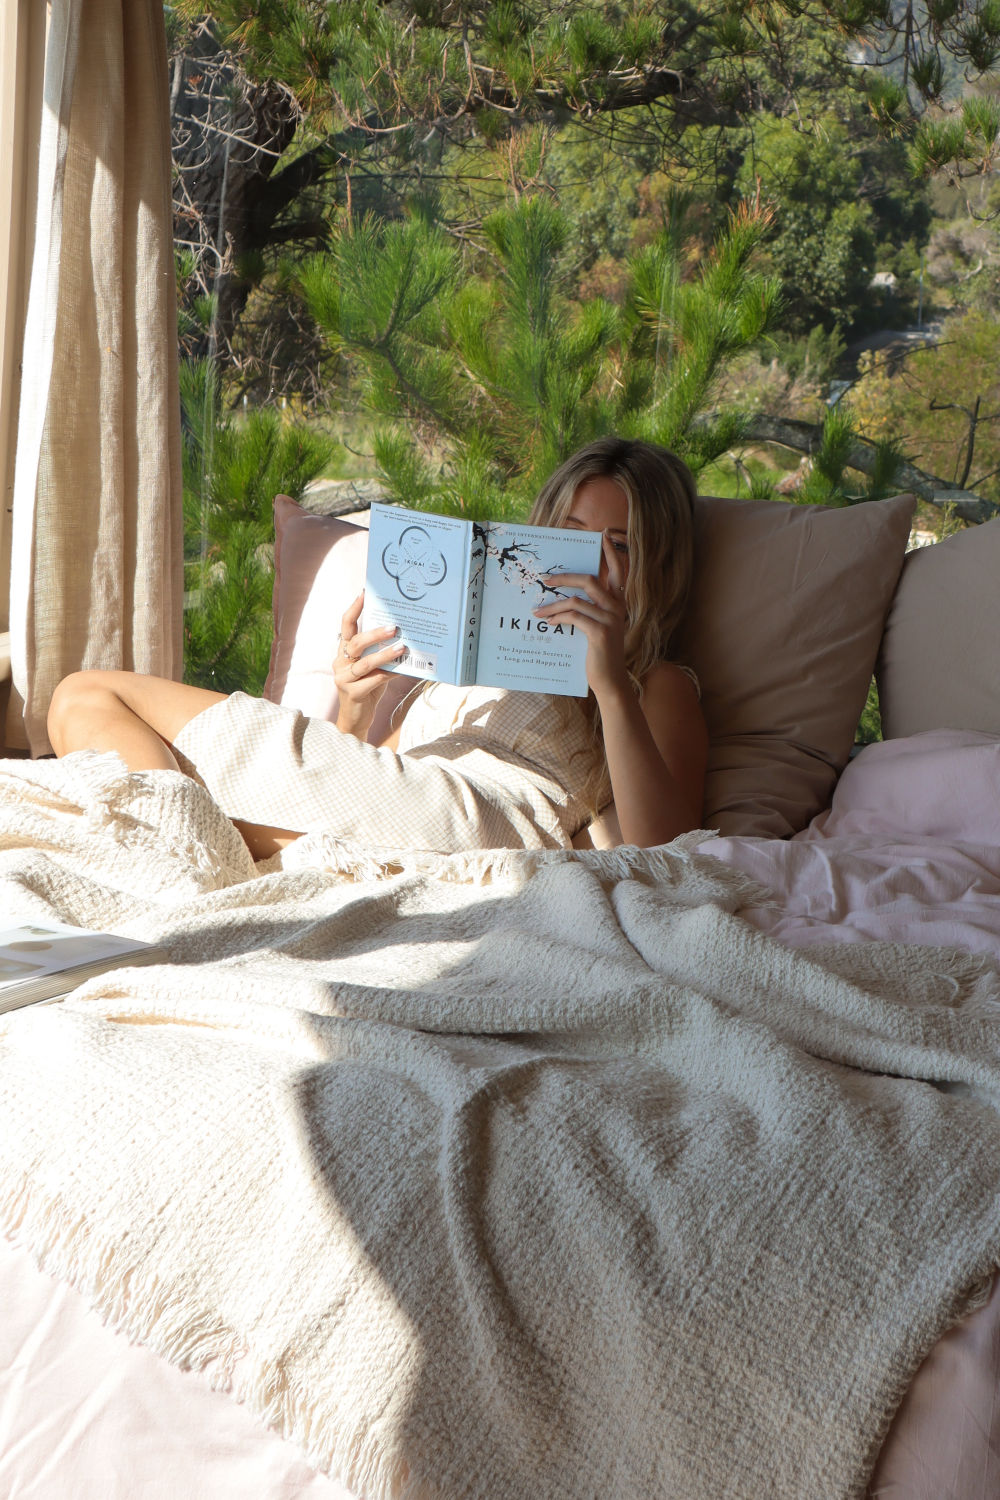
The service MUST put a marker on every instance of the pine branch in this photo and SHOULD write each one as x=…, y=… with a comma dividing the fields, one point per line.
x=806, y=437
x=602, y=93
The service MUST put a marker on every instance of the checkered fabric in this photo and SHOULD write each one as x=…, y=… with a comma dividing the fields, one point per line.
x=476, y=768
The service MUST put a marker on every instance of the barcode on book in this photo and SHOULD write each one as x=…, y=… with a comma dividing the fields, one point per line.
x=419, y=661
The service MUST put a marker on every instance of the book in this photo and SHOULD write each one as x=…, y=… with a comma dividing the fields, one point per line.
x=463, y=593
x=45, y=961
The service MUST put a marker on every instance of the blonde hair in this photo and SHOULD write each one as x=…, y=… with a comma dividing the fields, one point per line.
x=660, y=490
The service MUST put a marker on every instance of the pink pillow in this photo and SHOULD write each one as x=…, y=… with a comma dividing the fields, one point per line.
x=319, y=567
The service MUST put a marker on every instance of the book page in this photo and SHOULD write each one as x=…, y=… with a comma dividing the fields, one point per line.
x=517, y=650
x=417, y=566
x=32, y=951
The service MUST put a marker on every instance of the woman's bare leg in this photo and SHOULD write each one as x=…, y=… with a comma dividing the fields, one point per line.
x=140, y=717
x=263, y=841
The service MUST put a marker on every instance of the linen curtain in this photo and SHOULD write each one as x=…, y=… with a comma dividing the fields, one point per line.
x=96, y=538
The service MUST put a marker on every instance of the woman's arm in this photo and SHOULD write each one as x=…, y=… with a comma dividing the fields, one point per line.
x=656, y=744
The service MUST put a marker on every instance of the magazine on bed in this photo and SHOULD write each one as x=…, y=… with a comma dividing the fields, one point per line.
x=463, y=594
x=45, y=961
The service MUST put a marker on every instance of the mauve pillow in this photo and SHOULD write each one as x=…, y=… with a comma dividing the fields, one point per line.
x=319, y=568
x=939, y=667
x=784, y=626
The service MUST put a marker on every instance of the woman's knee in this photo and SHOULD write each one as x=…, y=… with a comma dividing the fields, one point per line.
x=73, y=696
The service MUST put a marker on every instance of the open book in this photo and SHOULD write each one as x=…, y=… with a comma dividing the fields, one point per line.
x=44, y=961
x=463, y=596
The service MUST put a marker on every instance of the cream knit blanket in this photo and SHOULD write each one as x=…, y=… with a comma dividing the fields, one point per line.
x=537, y=1177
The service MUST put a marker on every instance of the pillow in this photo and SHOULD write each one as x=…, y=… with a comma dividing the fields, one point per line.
x=784, y=626
x=319, y=568
x=941, y=785
x=939, y=667
x=785, y=622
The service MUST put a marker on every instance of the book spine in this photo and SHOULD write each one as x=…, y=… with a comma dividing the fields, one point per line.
x=475, y=576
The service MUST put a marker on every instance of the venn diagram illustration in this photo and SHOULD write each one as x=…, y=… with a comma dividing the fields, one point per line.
x=414, y=563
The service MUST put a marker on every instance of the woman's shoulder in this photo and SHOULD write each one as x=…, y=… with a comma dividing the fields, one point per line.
x=672, y=678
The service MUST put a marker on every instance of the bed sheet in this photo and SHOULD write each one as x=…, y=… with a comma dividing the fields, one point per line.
x=85, y=1415
x=908, y=852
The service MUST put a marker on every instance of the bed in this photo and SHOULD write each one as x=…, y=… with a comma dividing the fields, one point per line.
x=592, y=1172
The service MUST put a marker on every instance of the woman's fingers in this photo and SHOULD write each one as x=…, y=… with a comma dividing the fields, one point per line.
x=599, y=610
x=363, y=653
x=357, y=665
x=351, y=647
x=567, y=580
x=349, y=619
x=592, y=587
x=375, y=659
x=616, y=567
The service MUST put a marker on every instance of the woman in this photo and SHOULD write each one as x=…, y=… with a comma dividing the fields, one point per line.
x=467, y=768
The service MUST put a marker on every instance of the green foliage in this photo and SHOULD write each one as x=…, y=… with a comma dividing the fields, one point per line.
x=981, y=36
x=961, y=144
x=937, y=399
x=889, y=104
x=869, y=728
x=232, y=471
x=685, y=330
x=828, y=481
x=501, y=375
x=813, y=357
x=828, y=237
x=939, y=144
x=512, y=269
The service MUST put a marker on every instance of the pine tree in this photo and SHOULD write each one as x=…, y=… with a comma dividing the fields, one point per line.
x=284, y=107
x=487, y=380
x=232, y=471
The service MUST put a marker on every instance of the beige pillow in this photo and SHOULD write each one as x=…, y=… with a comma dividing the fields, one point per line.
x=939, y=666
x=784, y=626
x=319, y=568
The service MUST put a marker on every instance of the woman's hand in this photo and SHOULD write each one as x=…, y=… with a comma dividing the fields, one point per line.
x=360, y=679
x=600, y=616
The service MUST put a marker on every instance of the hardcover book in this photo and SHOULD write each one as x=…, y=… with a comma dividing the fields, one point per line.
x=463, y=594
x=45, y=961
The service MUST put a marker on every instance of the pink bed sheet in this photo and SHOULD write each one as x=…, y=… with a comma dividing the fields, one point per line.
x=910, y=851
x=85, y=1415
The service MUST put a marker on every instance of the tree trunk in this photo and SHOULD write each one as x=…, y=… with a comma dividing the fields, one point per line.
x=229, y=136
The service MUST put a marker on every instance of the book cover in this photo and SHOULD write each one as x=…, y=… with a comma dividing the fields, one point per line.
x=516, y=649
x=463, y=595
x=45, y=961
x=417, y=579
